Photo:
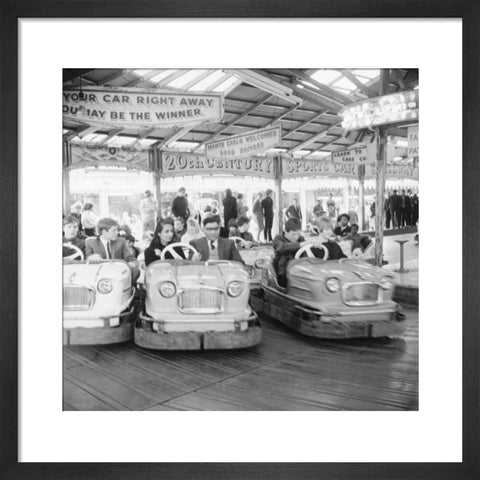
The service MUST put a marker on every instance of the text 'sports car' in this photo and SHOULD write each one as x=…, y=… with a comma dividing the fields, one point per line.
x=97, y=302
x=332, y=299
x=254, y=258
x=193, y=305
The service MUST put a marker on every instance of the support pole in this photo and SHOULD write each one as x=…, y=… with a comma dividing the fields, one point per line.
x=278, y=192
x=361, y=196
x=157, y=178
x=381, y=143
x=66, y=191
x=381, y=139
x=65, y=179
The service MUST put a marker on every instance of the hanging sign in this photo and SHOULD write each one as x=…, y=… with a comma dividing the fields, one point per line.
x=394, y=171
x=355, y=156
x=315, y=168
x=141, y=108
x=88, y=156
x=179, y=163
x=395, y=108
x=246, y=144
x=412, y=137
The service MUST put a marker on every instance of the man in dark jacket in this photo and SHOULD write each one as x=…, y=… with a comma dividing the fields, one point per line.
x=180, y=205
x=286, y=245
x=294, y=210
x=214, y=247
x=229, y=207
x=395, y=209
x=267, y=210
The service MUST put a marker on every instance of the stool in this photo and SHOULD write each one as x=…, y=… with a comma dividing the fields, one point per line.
x=401, y=243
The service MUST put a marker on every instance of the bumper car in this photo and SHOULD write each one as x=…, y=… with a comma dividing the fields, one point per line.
x=97, y=302
x=192, y=305
x=254, y=258
x=345, y=298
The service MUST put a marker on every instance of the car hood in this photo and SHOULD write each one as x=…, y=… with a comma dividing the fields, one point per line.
x=81, y=273
x=345, y=270
x=196, y=274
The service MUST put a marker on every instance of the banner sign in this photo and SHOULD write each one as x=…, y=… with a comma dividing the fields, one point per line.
x=355, y=156
x=246, y=144
x=179, y=163
x=86, y=156
x=141, y=108
x=314, y=168
x=395, y=108
x=394, y=171
x=412, y=137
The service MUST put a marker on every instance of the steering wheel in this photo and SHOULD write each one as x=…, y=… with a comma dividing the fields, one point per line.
x=239, y=242
x=175, y=255
x=308, y=250
x=76, y=252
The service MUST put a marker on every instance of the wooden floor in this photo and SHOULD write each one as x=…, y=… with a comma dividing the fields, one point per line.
x=287, y=371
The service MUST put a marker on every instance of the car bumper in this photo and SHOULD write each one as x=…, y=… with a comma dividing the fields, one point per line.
x=114, y=330
x=151, y=334
x=380, y=321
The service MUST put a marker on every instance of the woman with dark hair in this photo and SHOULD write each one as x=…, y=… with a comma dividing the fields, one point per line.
x=162, y=237
x=89, y=220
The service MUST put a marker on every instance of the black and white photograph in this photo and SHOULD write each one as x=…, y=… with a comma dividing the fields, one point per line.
x=239, y=239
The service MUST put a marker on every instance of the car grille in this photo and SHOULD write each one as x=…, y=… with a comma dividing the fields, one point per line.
x=360, y=294
x=78, y=298
x=201, y=300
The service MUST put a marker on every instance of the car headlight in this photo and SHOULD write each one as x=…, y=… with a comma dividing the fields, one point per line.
x=235, y=288
x=332, y=284
x=386, y=283
x=259, y=262
x=105, y=285
x=167, y=289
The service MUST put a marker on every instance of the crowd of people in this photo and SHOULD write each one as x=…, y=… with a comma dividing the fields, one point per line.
x=212, y=237
x=400, y=209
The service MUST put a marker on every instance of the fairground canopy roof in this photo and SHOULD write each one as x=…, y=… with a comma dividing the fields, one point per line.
x=305, y=102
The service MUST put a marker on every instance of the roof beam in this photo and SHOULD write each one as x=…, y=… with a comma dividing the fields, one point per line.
x=306, y=122
x=198, y=79
x=313, y=138
x=143, y=78
x=143, y=134
x=398, y=77
x=170, y=78
x=173, y=137
x=113, y=76
x=330, y=92
x=348, y=74
x=215, y=135
x=80, y=132
x=72, y=74
x=321, y=147
x=111, y=134
x=283, y=115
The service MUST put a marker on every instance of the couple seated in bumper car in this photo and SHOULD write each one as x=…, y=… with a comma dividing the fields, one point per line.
x=313, y=287
x=98, y=306
x=197, y=294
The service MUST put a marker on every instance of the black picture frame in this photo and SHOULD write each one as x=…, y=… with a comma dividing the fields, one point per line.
x=11, y=10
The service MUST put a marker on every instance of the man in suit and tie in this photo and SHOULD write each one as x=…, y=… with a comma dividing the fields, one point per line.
x=212, y=246
x=108, y=245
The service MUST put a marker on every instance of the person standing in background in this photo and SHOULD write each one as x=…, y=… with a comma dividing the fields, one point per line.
x=229, y=207
x=241, y=207
x=414, y=209
x=148, y=210
x=294, y=210
x=403, y=209
x=408, y=208
x=394, y=201
x=76, y=211
x=89, y=220
x=258, y=213
x=180, y=205
x=388, y=213
x=267, y=210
